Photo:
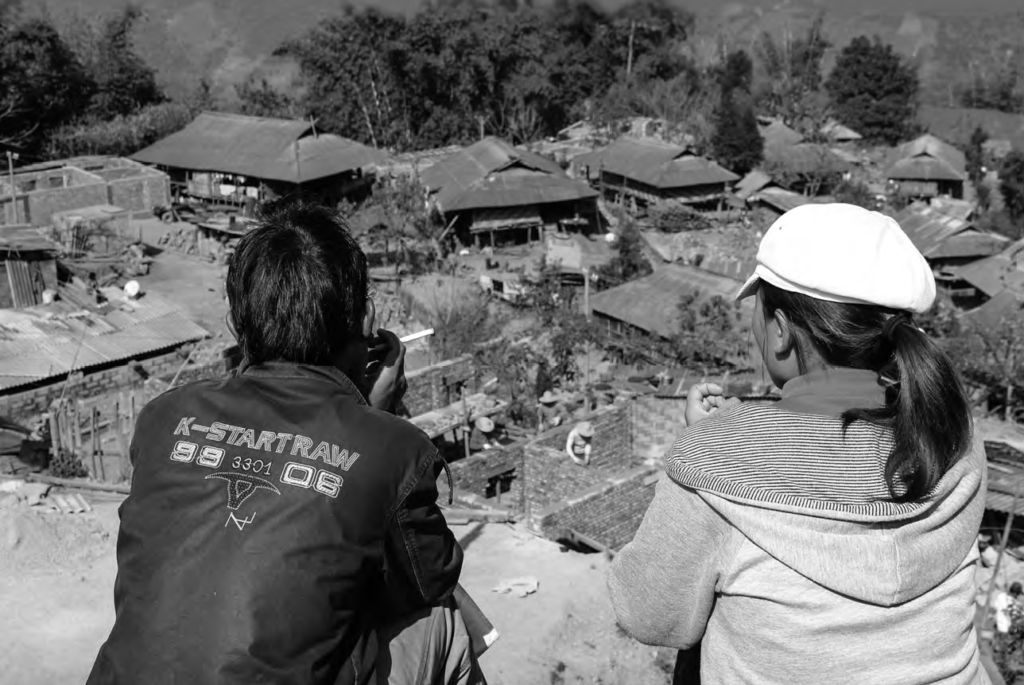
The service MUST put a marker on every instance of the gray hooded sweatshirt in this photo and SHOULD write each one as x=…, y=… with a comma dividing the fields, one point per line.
x=774, y=545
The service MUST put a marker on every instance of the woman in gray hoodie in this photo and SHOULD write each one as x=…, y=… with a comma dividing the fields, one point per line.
x=829, y=537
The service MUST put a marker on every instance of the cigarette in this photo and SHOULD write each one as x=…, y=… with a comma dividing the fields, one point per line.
x=417, y=336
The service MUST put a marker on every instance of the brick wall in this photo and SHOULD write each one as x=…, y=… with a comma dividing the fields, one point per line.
x=27, y=404
x=551, y=476
x=434, y=386
x=471, y=476
x=608, y=513
x=140, y=194
x=612, y=444
x=657, y=421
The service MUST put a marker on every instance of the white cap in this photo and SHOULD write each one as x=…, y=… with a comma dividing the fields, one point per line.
x=843, y=253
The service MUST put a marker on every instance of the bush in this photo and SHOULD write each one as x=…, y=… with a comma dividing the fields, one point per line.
x=122, y=135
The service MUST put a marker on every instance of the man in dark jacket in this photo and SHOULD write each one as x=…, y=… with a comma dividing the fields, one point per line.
x=281, y=520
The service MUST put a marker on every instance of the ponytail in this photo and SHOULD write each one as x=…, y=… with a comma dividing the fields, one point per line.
x=925, y=405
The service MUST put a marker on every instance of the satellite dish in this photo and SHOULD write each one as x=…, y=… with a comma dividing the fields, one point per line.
x=132, y=289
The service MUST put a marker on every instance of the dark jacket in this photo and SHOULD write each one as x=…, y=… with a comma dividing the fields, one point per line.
x=273, y=519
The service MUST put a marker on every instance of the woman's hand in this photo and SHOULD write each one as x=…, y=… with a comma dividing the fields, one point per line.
x=705, y=399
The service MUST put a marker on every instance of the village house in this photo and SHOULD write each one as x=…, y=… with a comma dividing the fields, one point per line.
x=44, y=190
x=928, y=167
x=239, y=160
x=638, y=173
x=496, y=193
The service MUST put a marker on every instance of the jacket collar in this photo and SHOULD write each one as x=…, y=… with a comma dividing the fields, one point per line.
x=830, y=392
x=330, y=374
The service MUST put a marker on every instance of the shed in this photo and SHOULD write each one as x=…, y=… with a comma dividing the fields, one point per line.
x=928, y=167
x=41, y=344
x=228, y=157
x=29, y=267
x=493, y=187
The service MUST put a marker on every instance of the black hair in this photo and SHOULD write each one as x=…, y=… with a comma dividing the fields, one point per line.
x=297, y=285
x=925, y=404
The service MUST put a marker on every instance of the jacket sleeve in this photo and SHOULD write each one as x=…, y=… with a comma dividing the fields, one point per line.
x=663, y=583
x=423, y=557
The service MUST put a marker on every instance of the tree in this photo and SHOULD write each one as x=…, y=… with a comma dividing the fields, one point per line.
x=1011, y=183
x=975, y=154
x=854, y=193
x=994, y=87
x=790, y=71
x=737, y=73
x=124, y=82
x=121, y=135
x=737, y=143
x=709, y=331
x=629, y=262
x=874, y=91
x=258, y=98
x=42, y=82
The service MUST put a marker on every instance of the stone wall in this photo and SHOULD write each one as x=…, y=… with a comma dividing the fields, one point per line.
x=608, y=513
x=435, y=386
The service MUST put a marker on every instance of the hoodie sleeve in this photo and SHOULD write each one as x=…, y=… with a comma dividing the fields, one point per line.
x=663, y=583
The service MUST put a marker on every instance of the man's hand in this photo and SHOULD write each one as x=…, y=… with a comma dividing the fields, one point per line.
x=385, y=371
x=703, y=400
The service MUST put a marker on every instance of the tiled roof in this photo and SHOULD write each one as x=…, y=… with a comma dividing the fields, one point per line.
x=260, y=147
x=651, y=303
x=51, y=340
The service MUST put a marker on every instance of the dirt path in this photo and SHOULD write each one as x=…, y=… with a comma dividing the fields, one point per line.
x=56, y=603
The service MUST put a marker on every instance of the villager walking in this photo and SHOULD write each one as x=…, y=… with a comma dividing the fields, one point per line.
x=830, y=537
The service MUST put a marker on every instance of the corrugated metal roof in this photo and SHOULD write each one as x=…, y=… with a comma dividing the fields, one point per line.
x=970, y=243
x=927, y=158
x=1003, y=306
x=25, y=239
x=928, y=228
x=651, y=303
x=260, y=147
x=658, y=165
x=777, y=133
x=992, y=275
x=49, y=341
x=494, y=218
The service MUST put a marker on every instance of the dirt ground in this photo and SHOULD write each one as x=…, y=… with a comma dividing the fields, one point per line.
x=56, y=603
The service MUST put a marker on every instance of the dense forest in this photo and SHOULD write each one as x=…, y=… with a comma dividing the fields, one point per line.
x=444, y=76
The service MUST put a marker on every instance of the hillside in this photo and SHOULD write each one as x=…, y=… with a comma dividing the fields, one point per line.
x=230, y=39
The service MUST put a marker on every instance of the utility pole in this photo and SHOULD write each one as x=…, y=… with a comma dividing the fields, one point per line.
x=11, y=156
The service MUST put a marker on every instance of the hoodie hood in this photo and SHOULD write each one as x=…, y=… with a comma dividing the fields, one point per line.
x=815, y=498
